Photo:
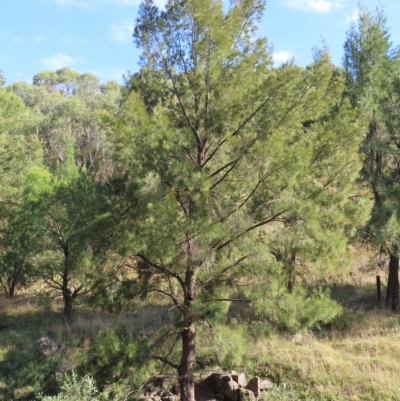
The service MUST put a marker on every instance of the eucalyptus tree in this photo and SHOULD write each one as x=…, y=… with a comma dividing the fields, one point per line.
x=231, y=150
x=372, y=67
x=19, y=152
x=68, y=106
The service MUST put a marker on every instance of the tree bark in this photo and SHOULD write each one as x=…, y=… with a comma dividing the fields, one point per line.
x=188, y=334
x=68, y=302
x=67, y=296
x=392, y=290
x=11, y=290
x=186, y=367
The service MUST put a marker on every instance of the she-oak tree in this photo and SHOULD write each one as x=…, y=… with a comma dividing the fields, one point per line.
x=233, y=149
x=372, y=67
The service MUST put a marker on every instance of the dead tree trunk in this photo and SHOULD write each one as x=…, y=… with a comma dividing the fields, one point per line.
x=392, y=290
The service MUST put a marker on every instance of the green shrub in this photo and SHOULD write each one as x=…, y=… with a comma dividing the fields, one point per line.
x=75, y=389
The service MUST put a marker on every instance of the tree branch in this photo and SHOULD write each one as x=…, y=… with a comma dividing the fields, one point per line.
x=162, y=269
x=220, y=273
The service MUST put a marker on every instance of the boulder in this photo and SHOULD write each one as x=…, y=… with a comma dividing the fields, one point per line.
x=266, y=384
x=254, y=386
x=246, y=395
x=228, y=387
x=209, y=382
x=240, y=378
x=203, y=394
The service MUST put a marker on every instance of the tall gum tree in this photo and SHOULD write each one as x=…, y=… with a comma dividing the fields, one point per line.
x=19, y=152
x=68, y=106
x=372, y=69
x=225, y=153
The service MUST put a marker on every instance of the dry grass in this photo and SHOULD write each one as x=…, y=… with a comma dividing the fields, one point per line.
x=352, y=368
x=354, y=358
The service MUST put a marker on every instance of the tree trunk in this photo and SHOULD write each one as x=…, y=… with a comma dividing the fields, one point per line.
x=66, y=292
x=11, y=289
x=68, y=302
x=392, y=290
x=12, y=282
x=186, y=367
x=9, y=285
x=188, y=333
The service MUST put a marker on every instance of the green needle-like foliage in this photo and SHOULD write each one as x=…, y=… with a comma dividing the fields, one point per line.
x=237, y=166
x=372, y=68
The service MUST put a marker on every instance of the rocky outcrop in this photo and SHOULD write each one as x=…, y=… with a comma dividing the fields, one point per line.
x=219, y=386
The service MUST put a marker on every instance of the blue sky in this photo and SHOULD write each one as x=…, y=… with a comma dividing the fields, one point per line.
x=95, y=35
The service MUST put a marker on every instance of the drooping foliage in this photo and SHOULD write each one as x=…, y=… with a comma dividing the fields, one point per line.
x=372, y=69
x=238, y=165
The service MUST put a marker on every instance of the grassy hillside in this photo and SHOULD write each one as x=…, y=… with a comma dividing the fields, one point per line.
x=355, y=357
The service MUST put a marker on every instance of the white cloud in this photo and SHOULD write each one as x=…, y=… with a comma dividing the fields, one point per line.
x=314, y=6
x=69, y=40
x=282, y=56
x=17, y=39
x=38, y=38
x=122, y=32
x=352, y=17
x=58, y=61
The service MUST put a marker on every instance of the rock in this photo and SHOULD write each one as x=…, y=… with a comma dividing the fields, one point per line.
x=254, y=386
x=164, y=394
x=144, y=398
x=240, y=378
x=228, y=387
x=203, y=394
x=266, y=384
x=175, y=389
x=47, y=346
x=246, y=395
x=209, y=382
x=146, y=332
x=62, y=367
x=297, y=338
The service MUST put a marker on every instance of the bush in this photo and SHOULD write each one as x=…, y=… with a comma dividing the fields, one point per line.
x=75, y=389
